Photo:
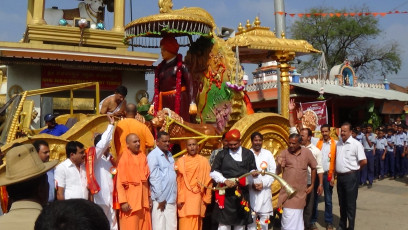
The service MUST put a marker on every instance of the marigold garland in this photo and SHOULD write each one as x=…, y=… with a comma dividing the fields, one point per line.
x=178, y=85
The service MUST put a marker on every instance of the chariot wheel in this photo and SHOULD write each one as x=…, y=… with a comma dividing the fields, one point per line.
x=275, y=130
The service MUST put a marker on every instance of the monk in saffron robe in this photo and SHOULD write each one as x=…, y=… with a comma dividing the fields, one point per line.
x=133, y=188
x=193, y=171
x=131, y=125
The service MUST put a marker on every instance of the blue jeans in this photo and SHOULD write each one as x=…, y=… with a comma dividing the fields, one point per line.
x=328, y=206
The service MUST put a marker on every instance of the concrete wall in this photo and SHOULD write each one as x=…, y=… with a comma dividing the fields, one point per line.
x=29, y=78
x=134, y=81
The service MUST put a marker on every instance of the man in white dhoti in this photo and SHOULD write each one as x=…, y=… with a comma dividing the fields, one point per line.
x=260, y=190
x=114, y=104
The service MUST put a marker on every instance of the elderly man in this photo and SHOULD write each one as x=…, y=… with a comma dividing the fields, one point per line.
x=133, y=188
x=70, y=175
x=173, y=86
x=52, y=127
x=294, y=162
x=229, y=164
x=260, y=188
x=193, y=173
x=163, y=184
x=350, y=158
x=26, y=182
x=114, y=104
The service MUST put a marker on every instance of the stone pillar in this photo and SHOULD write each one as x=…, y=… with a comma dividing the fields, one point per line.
x=119, y=16
x=38, y=14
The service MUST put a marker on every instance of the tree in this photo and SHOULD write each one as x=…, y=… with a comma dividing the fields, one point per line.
x=353, y=38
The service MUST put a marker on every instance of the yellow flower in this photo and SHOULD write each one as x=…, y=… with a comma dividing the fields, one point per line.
x=237, y=193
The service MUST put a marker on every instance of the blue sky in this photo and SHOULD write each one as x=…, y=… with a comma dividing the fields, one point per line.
x=229, y=13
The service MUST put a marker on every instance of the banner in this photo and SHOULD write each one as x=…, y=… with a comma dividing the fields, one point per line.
x=57, y=76
x=314, y=115
x=341, y=14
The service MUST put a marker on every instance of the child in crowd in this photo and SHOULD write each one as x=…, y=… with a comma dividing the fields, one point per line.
x=390, y=156
x=380, y=154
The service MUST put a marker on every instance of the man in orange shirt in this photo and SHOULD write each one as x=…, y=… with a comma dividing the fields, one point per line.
x=193, y=171
x=131, y=125
x=133, y=188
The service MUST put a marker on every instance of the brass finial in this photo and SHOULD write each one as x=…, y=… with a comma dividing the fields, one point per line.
x=283, y=34
x=248, y=25
x=240, y=28
x=257, y=22
x=165, y=6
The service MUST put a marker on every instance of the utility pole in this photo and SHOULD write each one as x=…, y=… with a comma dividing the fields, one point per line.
x=280, y=27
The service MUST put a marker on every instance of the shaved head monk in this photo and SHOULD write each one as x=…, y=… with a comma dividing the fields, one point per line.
x=133, y=188
x=131, y=125
x=193, y=171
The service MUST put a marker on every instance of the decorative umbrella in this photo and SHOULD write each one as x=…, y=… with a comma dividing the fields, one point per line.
x=185, y=22
x=257, y=44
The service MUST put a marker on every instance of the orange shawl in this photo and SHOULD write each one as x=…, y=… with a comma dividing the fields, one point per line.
x=332, y=156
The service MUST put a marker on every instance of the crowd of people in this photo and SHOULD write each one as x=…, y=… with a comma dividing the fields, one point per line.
x=150, y=190
x=144, y=187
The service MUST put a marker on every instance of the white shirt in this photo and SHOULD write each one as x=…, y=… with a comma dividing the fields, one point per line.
x=348, y=155
x=261, y=200
x=317, y=154
x=72, y=180
x=237, y=156
x=326, y=147
x=102, y=170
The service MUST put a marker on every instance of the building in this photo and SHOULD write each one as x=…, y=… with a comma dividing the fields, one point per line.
x=347, y=98
x=54, y=55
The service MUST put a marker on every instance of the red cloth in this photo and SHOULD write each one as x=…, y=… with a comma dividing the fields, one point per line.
x=93, y=185
x=220, y=198
x=170, y=44
x=233, y=135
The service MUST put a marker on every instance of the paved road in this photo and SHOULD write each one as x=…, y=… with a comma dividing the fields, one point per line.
x=384, y=206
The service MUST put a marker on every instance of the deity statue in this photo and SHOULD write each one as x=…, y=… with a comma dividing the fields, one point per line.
x=173, y=85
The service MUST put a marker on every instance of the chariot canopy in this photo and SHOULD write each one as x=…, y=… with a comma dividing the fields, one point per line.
x=257, y=44
x=185, y=22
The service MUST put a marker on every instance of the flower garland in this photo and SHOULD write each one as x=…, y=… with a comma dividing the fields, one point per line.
x=217, y=76
x=178, y=85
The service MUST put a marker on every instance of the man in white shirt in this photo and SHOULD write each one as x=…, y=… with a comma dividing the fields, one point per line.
x=103, y=173
x=306, y=135
x=70, y=175
x=260, y=194
x=350, y=158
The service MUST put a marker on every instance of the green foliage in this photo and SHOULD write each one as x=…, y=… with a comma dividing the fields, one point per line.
x=353, y=38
